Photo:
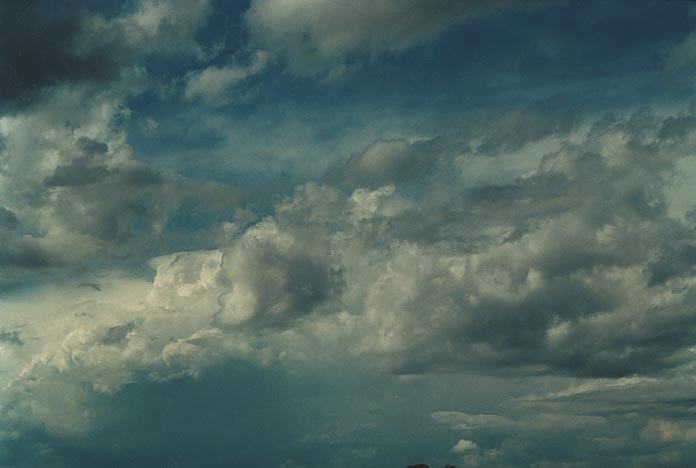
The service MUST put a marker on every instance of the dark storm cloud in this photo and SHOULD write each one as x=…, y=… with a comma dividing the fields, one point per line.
x=38, y=49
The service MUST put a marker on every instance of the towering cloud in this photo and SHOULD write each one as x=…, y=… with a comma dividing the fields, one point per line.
x=212, y=253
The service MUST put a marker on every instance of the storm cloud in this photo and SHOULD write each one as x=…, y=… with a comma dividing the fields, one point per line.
x=313, y=234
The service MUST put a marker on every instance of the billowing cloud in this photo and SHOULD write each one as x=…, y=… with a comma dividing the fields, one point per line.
x=549, y=274
x=457, y=267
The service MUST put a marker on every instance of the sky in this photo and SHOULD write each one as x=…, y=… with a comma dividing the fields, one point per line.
x=365, y=234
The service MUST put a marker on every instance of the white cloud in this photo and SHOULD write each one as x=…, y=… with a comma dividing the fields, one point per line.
x=464, y=446
x=215, y=84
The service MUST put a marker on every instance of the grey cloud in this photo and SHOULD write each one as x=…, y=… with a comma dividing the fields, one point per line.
x=8, y=219
x=92, y=147
x=38, y=49
x=561, y=439
x=135, y=197
x=562, y=235
x=511, y=130
x=390, y=161
x=496, y=133
x=625, y=422
x=77, y=173
x=25, y=252
x=268, y=279
x=45, y=44
x=555, y=273
x=316, y=37
x=80, y=194
x=540, y=273
x=10, y=336
x=216, y=85
x=116, y=334
x=94, y=286
x=676, y=260
x=82, y=171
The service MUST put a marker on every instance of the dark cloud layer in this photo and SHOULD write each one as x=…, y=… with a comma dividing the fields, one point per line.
x=39, y=49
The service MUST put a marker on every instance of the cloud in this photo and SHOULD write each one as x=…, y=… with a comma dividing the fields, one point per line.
x=315, y=37
x=162, y=27
x=420, y=161
x=38, y=50
x=47, y=46
x=390, y=161
x=512, y=129
x=214, y=84
x=629, y=421
x=73, y=194
x=464, y=445
x=549, y=274
x=10, y=336
x=682, y=55
x=510, y=287
x=8, y=219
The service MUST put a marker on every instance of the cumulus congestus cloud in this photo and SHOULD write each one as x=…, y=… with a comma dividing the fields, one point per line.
x=553, y=273
x=476, y=247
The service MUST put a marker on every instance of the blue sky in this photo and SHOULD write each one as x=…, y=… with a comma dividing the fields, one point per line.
x=303, y=233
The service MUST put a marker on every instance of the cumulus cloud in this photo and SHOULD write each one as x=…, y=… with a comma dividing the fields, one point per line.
x=517, y=276
x=464, y=445
x=314, y=37
x=565, y=271
x=75, y=193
